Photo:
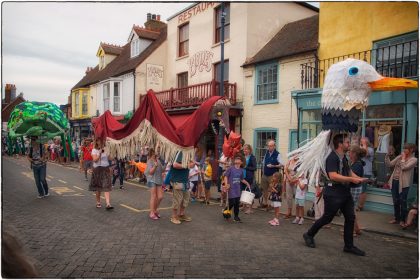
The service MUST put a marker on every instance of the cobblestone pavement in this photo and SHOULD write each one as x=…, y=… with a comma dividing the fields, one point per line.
x=68, y=237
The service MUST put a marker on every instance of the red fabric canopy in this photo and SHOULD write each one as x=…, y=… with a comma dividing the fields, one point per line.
x=186, y=134
x=178, y=120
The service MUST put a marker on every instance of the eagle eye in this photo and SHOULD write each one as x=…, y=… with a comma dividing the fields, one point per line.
x=353, y=71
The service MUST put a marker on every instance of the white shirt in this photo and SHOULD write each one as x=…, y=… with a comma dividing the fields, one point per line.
x=300, y=194
x=103, y=161
x=192, y=171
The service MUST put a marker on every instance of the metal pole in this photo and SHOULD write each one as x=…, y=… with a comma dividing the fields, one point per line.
x=221, y=135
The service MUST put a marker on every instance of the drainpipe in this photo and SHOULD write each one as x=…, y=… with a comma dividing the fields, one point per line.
x=134, y=95
x=221, y=137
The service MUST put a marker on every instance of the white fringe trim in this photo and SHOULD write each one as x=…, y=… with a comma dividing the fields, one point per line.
x=312, y=157
x=147, y=135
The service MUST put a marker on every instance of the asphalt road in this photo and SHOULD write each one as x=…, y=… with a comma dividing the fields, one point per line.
x=68, y=237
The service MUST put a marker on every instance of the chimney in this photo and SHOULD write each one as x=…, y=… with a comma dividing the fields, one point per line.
x=9, y=93
x=153, y=22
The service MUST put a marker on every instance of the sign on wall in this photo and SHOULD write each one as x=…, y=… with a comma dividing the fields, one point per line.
x=200, y=61
x=154, y=77
x=197, y=9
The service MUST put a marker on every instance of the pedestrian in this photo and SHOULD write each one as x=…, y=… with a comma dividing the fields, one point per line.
x=200, y=156
x=401, y=179
x=38, y=163
x=337, y=195
x=193, y=179
x=75, y=148
x=357, y=167
x=301, y=188
x=154, y=174
x=272, y=163
x=275, y=197
x=101, y=175
x=234, y=176
x=367, y=170
x=207, y=174
x=290, y=184
x=87, y=156
x=118, y=172
x=224, y=164
x=181, y=195
x=249, y=172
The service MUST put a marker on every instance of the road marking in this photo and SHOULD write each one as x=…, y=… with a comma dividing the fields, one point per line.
x=61, y=181
x=78, y=188
x=130, y=208
x=28, y=174
x=137, y=185
x=48, y=179
x=76, y=194
x=49, y=176
x=142, y=210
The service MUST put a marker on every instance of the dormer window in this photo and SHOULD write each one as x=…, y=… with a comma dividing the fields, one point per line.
x=135, y=47
x=102, y=62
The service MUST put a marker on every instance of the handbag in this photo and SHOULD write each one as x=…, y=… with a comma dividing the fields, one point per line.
x=311, y=211
x=255, y=189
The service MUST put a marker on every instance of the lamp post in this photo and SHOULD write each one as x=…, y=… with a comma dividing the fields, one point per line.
x=221, y=135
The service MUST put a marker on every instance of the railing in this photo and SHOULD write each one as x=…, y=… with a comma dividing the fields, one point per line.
x=398, y=61
x=194, y=95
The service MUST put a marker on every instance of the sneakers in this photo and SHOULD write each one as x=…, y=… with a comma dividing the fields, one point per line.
x=175, y=221
x=354, y=250
x=121, y=187
x=300, y=221
x=40, y=196
x=47, y=194
x=296, y=220
x=153, y=217
x=309, y=240
x=185, y=218
x=157, y=214
x=274, y=222
x=236, y=219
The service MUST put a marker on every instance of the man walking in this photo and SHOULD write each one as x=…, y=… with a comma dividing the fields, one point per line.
x=36, y=157
x=271, y=164
x=181, y=195
x=337, y=195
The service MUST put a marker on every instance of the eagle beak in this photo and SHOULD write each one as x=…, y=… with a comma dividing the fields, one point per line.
x=393, y=84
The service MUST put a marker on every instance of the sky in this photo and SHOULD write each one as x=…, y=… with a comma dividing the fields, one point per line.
x=46, y=47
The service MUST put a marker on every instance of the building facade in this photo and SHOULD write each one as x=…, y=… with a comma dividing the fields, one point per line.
x=385, y=35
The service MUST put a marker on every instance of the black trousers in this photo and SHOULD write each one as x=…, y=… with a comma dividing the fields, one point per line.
x=234, y=202
x=331, y=206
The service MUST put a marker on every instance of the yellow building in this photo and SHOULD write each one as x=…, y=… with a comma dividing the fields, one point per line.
x=385, y=34
x=80, y=112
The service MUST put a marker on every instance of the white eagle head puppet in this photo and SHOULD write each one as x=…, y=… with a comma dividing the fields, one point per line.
x=346, y=90
x=345, y=93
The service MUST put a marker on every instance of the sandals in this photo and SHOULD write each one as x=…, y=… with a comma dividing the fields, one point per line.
x=175, y=221
x=393, y=222
x=98, y=205
x=109, y=207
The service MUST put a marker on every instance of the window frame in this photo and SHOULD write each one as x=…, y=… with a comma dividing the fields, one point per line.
x=104, y=98
x=178, y=76
x=76, y=104
x=85, y=104
x=186, y=41
x=263, y=67
x=216, y=28
x=257, y=149
x=116, y=97
x=215, y=74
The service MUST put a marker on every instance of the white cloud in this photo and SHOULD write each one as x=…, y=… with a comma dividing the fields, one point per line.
x=47, y=46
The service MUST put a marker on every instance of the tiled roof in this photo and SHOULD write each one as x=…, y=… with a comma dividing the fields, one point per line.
x=111, y=49
x=121, y=64
x=294, y=38
x=146, y=33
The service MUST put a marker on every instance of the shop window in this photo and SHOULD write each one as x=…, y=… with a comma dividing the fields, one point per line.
x=218, y=23
x=397, y=56
x=261, y=138
x=267, y=84
x=84, y=104
x=76, y=104
x=106, y=96
x=117, y=97
x=183, y=39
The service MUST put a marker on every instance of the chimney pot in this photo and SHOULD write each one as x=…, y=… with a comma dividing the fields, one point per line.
x=154, y=16
x=149, y=16
x=158, y=17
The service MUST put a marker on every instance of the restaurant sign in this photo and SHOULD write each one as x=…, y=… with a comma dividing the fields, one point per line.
x=197, y=9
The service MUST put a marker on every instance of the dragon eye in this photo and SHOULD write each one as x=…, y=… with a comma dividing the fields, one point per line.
x=353, y=71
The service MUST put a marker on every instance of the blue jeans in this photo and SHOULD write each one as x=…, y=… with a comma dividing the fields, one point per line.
x=400, y=201
x=41, y=183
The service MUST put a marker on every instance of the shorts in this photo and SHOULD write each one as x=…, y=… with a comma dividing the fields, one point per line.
x=179, y=198
x=151, y=185
x=275, y=204
x=207, y=185
x=87, y=164
x=193, y=185
x=265, y=183
x=300, y=202
x=355, y=193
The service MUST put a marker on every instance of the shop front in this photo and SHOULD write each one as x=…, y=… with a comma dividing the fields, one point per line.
x=390, y=120
x=80, y=129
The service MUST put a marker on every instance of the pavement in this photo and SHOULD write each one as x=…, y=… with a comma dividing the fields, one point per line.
x=370, y=221
x=67, y=237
